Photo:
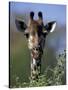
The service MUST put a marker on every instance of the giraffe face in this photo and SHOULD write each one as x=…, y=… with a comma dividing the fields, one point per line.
x=36, y=33
x=36, y=38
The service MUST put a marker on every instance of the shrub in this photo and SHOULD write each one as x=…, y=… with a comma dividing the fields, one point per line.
x=51, y=76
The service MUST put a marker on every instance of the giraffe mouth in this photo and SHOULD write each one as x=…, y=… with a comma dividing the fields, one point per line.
x=36, y=54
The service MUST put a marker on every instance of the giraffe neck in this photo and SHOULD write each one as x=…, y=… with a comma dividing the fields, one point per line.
x=35, y=68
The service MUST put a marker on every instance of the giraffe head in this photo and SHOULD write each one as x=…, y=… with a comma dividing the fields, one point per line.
x=36, y=33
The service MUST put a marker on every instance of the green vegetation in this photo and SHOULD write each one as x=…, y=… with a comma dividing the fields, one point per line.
x=51, y=76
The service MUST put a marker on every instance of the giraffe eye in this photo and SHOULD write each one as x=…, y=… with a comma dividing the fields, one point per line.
x=27, y=35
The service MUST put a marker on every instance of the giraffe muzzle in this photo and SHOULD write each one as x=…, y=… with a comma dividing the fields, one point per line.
x=36, y=52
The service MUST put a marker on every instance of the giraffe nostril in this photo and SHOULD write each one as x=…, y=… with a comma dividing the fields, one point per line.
x=37, y=48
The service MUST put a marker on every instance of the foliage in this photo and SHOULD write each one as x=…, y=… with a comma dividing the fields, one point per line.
x=51, y=76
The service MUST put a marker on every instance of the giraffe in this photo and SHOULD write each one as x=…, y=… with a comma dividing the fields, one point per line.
x=35, y=32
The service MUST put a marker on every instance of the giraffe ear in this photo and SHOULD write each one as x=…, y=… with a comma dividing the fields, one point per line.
x=50, y=27
x=21, y=26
